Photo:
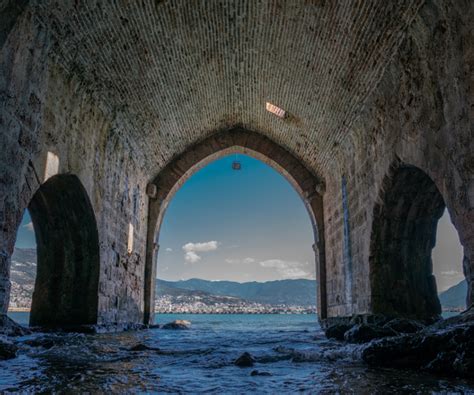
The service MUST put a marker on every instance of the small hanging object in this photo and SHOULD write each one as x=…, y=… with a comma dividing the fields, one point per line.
x=236, y=165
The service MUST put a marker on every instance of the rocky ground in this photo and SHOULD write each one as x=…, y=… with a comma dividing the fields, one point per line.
x=444, y=347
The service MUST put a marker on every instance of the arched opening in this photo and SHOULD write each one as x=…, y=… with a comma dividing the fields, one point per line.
x=165, y=185
x=23, y=271
x=236, y=242
x=67, y=245
x=448, y=268
x=404, y=234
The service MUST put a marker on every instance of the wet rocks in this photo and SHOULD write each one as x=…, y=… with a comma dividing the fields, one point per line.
x=9, y=327
x=363, y=329
x=177, y=324
x=403, y=325
x=7, y=349
x=245, y=360
x=448, y=351
x=41, y=342
x=362, y=333
x=337, y=331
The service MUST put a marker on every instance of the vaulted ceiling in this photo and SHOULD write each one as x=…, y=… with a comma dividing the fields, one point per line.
x=180, y=70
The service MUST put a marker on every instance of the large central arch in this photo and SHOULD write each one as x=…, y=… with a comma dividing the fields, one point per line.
x=309, y=186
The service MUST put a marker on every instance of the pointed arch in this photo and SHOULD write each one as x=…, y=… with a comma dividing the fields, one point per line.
x=403, y=236
x=309, y=186
x=67, y=279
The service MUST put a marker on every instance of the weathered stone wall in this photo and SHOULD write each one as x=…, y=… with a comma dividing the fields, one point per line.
x=118, y=90
x=45, y=109
x=420, y=114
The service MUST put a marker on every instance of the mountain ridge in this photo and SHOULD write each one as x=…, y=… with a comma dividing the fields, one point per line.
x=300, y=292
x=289, y=292
x=454, y=297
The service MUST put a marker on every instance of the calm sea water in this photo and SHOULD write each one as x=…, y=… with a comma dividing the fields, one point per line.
x=291, y=348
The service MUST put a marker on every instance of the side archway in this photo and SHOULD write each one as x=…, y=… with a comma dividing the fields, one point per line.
x=67, y=279
x=309, y=186
x=403, y=236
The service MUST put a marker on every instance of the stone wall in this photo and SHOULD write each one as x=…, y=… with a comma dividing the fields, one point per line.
x=46, y=110
x=420, y=114
x=118, y=91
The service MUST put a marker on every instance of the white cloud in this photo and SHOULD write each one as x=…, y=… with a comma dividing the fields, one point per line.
x=169, y=250
x=249, y=260
x=191, y=257
x=287, y=269
x=451, y=273
x=190, y=250
x=29, y=226
x=201, y=247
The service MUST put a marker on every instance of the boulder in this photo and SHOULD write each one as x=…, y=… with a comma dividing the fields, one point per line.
x=7, y=349
x=177, y=324
x=337, y=331
x=363, y=333
x=245, y=360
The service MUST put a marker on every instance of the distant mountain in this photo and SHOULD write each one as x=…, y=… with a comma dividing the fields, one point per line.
x=289, y=292
x=454, y=297
x=283, y=292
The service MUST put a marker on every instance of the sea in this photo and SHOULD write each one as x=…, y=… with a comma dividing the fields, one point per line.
x=292, y=354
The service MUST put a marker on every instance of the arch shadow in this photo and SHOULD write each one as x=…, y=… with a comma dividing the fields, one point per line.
x=403, y=235
x=67, y=279
x=309, y=187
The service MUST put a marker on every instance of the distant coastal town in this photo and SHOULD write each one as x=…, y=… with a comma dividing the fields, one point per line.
x=166, y=304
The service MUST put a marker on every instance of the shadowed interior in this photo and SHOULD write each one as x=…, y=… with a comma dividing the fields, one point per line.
x=403, y=236
x=68, y=254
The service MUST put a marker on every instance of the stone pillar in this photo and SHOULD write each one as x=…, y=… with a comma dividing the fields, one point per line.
x=469, y=273
x=320, y=254
x=4, y=281
x=319, y=296
x=152, y=248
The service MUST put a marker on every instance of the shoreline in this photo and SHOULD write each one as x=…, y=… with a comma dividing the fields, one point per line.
x=27, y=310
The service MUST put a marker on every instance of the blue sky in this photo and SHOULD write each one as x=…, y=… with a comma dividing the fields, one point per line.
x=250, y=225
x=258, y=223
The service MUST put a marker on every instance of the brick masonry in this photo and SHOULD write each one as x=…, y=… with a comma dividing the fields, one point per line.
x=118, y=90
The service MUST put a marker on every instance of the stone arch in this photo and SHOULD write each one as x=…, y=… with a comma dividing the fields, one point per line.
x=67, y=279
x=403, y=235
x=309, y=186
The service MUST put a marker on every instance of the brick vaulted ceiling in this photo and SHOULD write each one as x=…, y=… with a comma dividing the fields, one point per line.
x=180, y=70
